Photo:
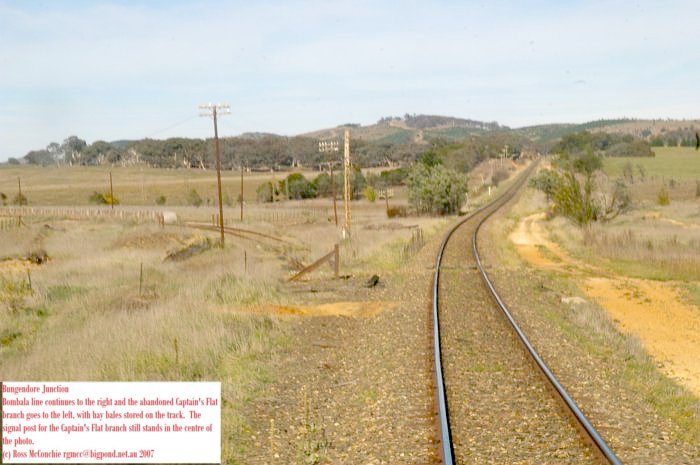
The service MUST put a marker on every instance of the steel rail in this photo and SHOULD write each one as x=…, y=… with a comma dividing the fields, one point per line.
x=592, y=434
x=447, y=448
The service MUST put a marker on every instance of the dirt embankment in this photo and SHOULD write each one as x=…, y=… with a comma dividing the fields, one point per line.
x=651, y=310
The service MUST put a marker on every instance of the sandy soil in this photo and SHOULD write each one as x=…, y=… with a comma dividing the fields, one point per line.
x=349, y=309
x=651, y=310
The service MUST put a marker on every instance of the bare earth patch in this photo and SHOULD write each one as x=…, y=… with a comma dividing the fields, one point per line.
x=349, y=309
x=651, y=310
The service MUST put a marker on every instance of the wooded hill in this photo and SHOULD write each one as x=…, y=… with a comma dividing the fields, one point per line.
x=392, y=140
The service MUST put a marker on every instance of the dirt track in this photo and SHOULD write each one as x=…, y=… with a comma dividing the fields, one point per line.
x=651, y=310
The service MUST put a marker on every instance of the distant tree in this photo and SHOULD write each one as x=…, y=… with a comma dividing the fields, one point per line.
x=436, y=189
x=298, y=187
x=54, y=148
x=73, y=148
x=39, y=157
x=430, y=158
x=13, y=161
x=264, y=192
x=546, y=181
x=100, y=152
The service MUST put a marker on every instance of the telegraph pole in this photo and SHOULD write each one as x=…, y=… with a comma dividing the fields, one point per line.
x=212, y=110
x=346, y=192
x=330, y=146
x=241, y=191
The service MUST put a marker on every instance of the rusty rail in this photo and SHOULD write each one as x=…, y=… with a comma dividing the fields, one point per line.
x=447, y=449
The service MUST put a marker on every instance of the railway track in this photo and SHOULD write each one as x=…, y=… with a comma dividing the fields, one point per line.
x=497, y=400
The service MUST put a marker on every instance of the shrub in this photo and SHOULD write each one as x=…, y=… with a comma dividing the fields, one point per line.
x=697, y=188
x=436, y=189
x=160, y=200
x=498, y=176
x=396, y=212
x=393, y=177
x=3, y=198
x=103, y=199
x=663, y=198
x=193, y=198
x=227, y=200
x=370, y=194
x=19, y=199
x=264, y=192
x=298, y=187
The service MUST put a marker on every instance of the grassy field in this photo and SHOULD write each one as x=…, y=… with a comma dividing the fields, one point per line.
x=88, y=314
x=680, y=163
x=132, y=185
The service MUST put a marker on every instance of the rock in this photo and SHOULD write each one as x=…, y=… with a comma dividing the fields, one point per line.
x=373, y=281
x=573, y=300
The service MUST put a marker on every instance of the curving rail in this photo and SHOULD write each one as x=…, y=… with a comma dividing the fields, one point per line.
x=572, y=408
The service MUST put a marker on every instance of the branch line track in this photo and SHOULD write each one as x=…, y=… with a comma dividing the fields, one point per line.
x=462, y=328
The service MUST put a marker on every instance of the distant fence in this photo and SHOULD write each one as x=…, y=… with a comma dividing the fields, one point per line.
x=79, y=213
x=8, y=223
x=280, y=216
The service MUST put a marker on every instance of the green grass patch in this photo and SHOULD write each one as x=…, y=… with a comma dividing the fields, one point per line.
x=669, y=162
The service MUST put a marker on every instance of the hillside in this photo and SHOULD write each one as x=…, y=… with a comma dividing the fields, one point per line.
x=411, y=128
x=643, y=128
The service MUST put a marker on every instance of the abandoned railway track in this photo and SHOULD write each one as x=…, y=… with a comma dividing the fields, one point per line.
x=497, y=400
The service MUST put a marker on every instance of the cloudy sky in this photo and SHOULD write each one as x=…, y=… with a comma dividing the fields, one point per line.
x=127, y=70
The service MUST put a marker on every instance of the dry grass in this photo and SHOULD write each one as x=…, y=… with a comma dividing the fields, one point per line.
x=588, y=325
x=132, y=185
x=661, y=244
x=85, y=318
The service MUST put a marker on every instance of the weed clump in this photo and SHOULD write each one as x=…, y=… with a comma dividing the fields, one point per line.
x=663, y=198
x=194, y=248
x=397, y=212
x=103, y=199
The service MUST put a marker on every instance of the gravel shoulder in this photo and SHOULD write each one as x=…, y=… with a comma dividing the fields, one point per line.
x=354, y=389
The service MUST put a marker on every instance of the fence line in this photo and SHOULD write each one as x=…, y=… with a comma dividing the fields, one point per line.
x=83, y=213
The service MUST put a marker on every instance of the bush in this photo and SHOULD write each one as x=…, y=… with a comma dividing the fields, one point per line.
x=193, y=198
x=227, y=200
x=160, y=200
x=298, y=187
x=103, y=199
x=498, y=176
x=436, y=189
x=396, y=212
x=393, y=177
x=546, y=181
x=663, y=198
x=19, y=199
x=697, y=188
x=264, y=192
x=3, y=198
x=370, y=194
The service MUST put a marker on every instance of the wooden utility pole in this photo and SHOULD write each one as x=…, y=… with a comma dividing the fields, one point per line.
x=111, y=191
x=346, y=193
x=241, y=191
x=330, y=146
x=212, y=110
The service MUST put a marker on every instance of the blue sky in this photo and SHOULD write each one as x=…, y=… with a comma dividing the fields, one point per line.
x=127, y=70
